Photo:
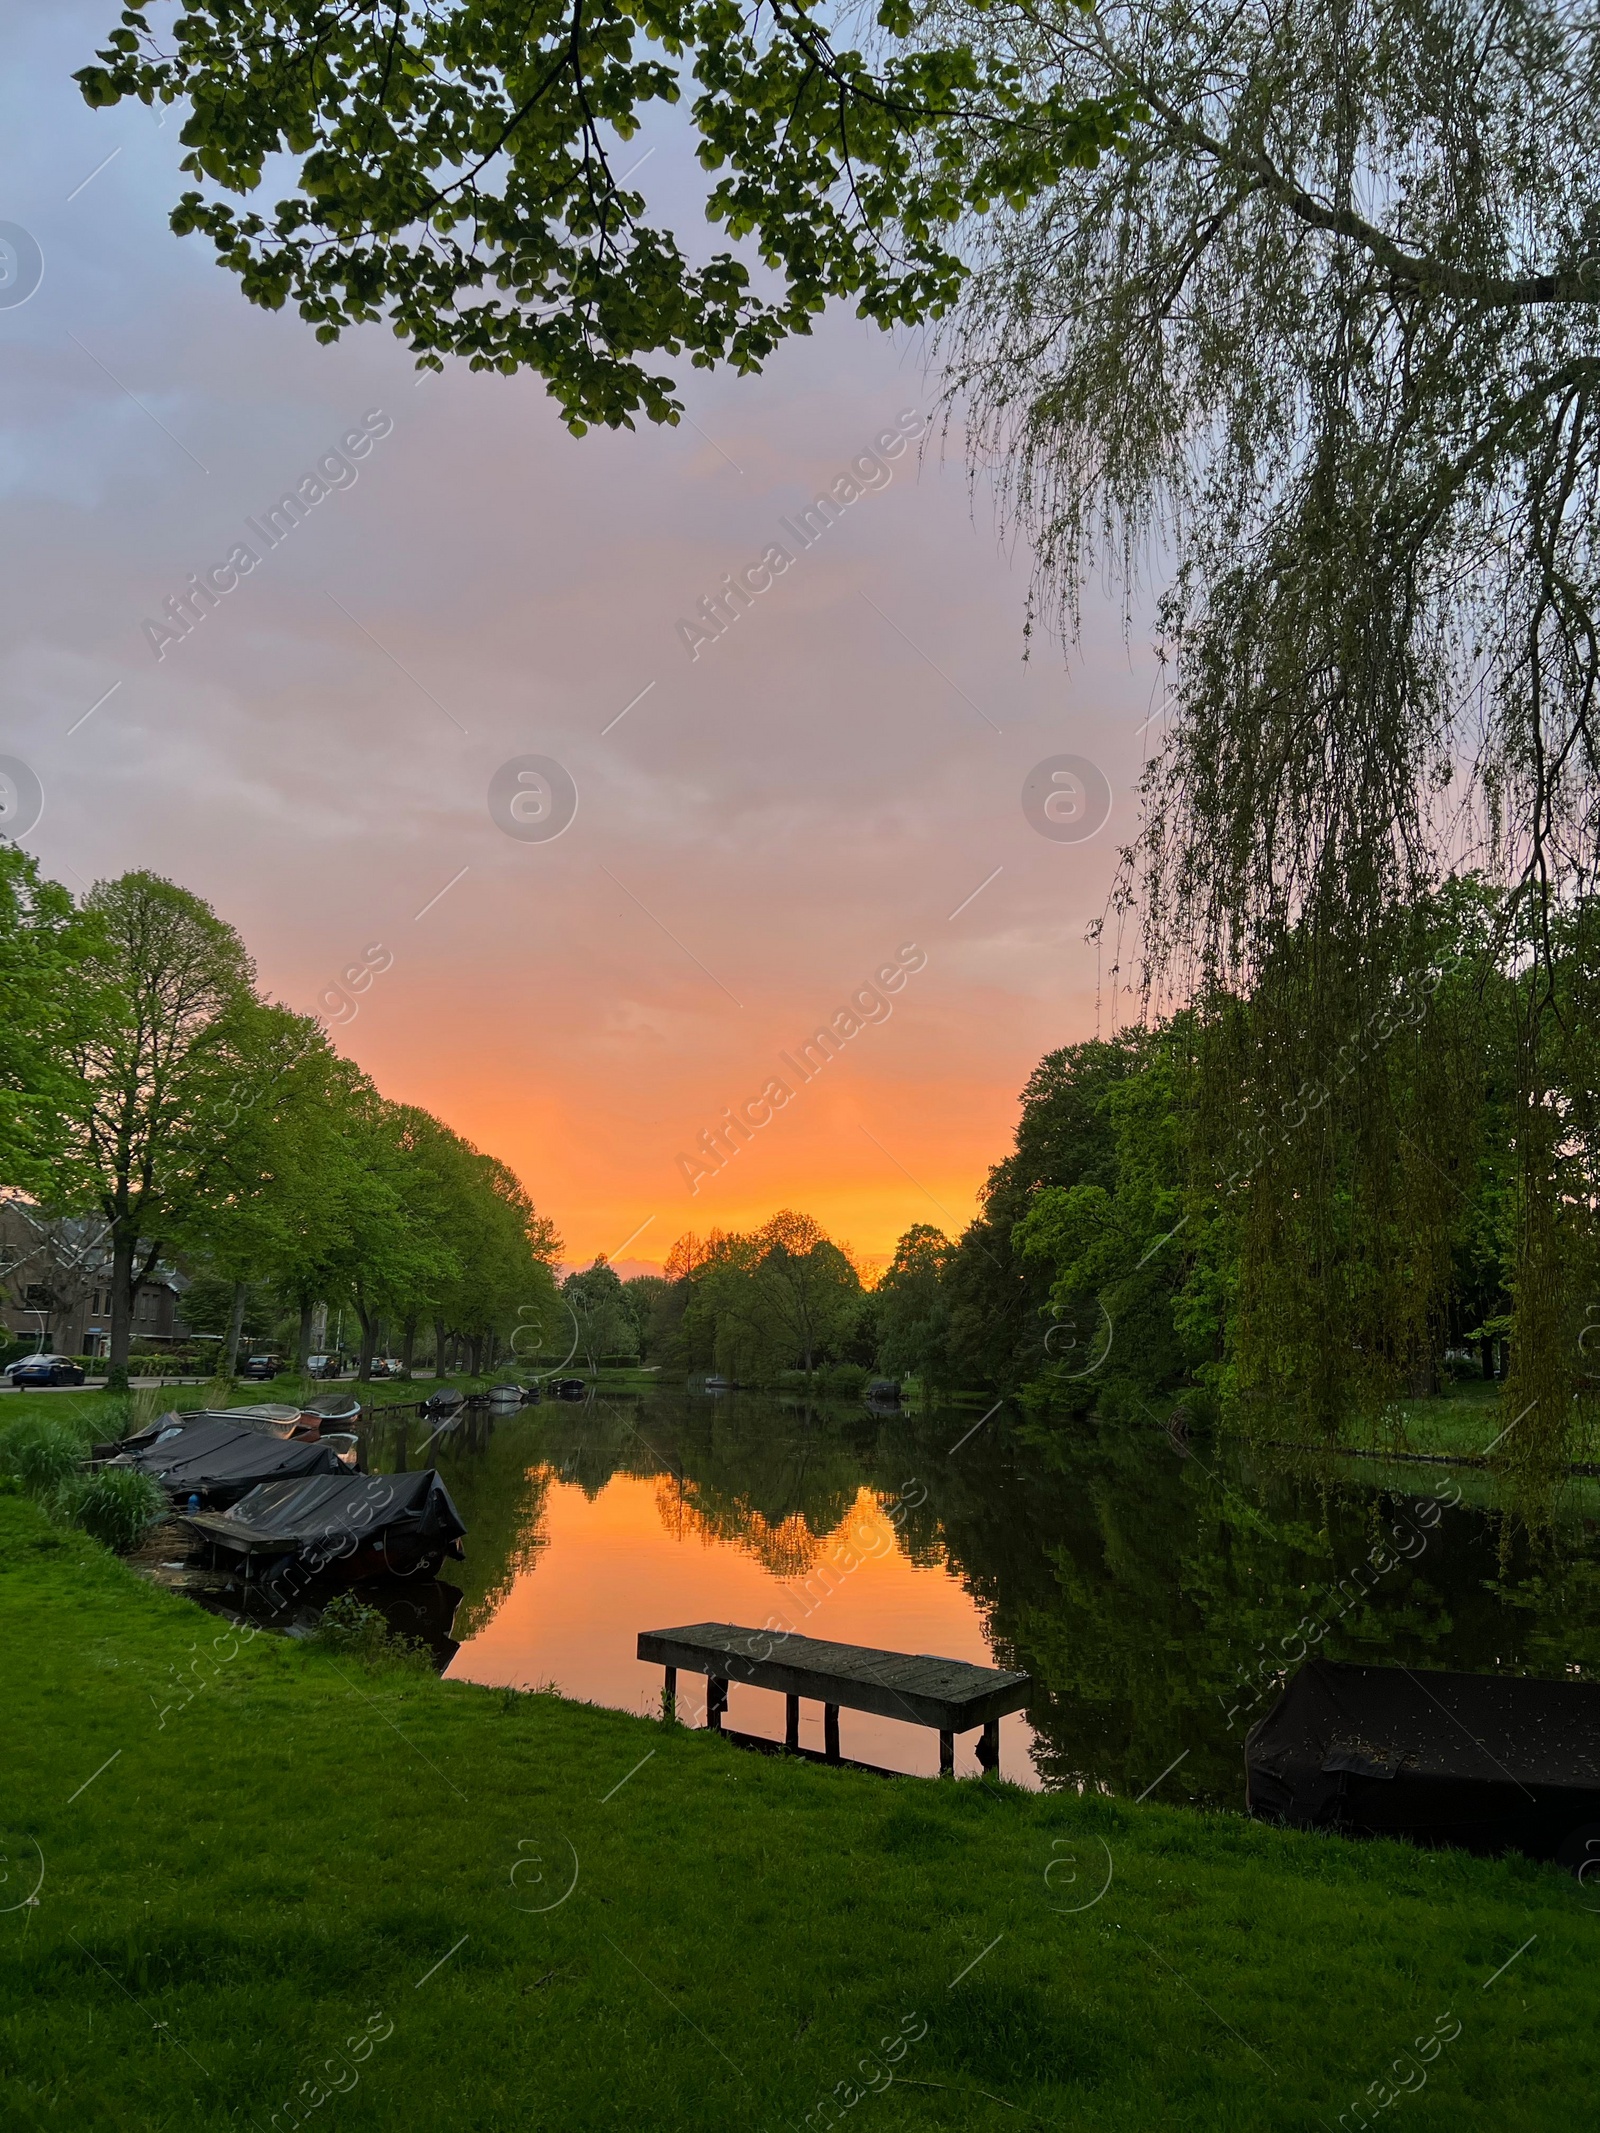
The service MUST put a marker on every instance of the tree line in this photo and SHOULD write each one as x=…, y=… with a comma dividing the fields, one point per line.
x=1289, y=1261
x=751, y=1306
x=147, y=1083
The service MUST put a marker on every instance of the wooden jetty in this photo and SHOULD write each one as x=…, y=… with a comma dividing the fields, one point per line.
x=950, y=1695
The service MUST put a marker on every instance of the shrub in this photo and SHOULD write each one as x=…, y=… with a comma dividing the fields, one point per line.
x=116, y=1507
x=164, y=1364
x=44, y=1455
x=117, y=1416
x=349, y=1625
x=845, y=1379
x=124, y=1414
x=41, y=1452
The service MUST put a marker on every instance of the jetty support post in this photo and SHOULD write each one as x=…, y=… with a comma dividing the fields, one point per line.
x=669, y=1695
x=949, y=1696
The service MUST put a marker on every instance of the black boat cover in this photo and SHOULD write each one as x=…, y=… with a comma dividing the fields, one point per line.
x=140, y=1439
x=271, y=1421
x=220, y=1460
x=326, y=1517
x=1486, y=1762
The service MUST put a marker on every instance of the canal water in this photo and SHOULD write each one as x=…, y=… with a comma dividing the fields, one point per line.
x=1153, y=1587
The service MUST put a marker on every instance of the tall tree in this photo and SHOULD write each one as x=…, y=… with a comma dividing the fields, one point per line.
x=288, y=1188
x=43, y=942
x=397, y=1248
x=501, y=1247
x=999, y=1301
x=649, y=1301
x=170, y=992
x=804, y=1284
x=913, y=1309
x=606, y=1326
x=779, y=1298
x=1328, y=338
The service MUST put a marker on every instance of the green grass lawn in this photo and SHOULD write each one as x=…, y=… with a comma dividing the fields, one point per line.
x=437, y=1906
x=1457, y=1423
x=1460, y=1425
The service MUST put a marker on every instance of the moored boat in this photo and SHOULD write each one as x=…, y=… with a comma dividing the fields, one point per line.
x=277, y=1419
x=340, y=1527
x=1485, y=1762
x=212, y=1460
x=332, y=1411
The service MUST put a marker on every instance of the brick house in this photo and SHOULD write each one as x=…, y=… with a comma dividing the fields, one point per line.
x=55, y=1285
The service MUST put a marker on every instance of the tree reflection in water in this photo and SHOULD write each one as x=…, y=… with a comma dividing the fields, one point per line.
x=1144, y=1590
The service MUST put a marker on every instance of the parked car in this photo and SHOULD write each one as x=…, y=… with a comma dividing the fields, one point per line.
x=386, y=1366
x=324, y=1366
x=45, y=1370
x=260, y=1366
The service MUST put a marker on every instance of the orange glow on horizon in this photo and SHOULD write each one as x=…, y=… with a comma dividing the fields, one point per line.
x=867, y=1165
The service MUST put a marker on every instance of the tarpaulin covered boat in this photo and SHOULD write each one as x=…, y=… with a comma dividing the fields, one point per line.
x=271, y=1420
x=1486, y=1762
x=218, y=1459
x=344, y=1526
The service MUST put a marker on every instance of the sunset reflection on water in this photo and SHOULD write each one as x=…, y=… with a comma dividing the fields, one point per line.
x=647, y=1553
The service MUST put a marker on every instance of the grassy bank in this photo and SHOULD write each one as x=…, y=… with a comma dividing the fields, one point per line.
x=310, y=1851
x=1457, y=1423
x=102, y=1410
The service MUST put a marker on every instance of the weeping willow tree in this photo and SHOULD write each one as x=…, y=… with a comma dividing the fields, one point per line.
x=1321, y=351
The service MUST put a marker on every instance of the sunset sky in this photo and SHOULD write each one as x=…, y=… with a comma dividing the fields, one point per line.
x=776, y=818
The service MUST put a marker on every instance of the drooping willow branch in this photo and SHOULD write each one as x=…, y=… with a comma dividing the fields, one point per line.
x=1325, y=341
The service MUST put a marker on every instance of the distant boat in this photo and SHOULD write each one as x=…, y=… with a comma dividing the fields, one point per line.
x=332, y=1410
x=269, y=1415
x=568, y=1388
x=327, y=1421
